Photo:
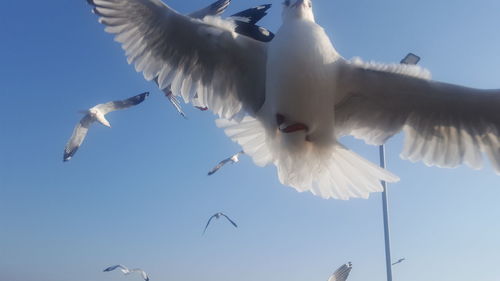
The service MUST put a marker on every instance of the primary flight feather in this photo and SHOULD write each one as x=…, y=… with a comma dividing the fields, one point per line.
x=288, y=101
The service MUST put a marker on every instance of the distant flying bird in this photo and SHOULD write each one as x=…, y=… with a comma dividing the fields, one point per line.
x=94, y=114
x=233, y=159
x=127, y=271
x=287, y=102
x=341, y=273
x=217, y=216
x=399, y=261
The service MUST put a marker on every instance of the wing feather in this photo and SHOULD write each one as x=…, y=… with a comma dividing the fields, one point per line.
x=445, y=124
x=108, y=107
x=226, y=69
x=79, y=133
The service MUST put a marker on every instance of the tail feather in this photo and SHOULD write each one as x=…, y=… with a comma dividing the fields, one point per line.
x=328, y=172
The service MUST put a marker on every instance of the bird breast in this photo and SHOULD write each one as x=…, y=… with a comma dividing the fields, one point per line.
x=299, y=77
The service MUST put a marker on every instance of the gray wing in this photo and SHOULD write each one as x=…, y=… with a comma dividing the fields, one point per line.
x=123, y=268
x=341, y=273
x=218, y=166
x=204, y=57
x=208, y=222
x=232, y=222
x=252, y=15
x=122, y=104
x=445, y=124
x=214, y=9
x=79, y=133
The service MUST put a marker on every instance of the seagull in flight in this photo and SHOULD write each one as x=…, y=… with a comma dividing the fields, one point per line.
x=288, y=101
x=399, y=261
x=94, y=114
x=217, y=216
x=341, y=273
x=245, y=21
x=127, y=271
x=233, y=159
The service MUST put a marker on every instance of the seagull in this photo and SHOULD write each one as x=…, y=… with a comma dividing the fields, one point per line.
x=127, y=271
x=245, y=21
x=399, y=261
x=288, y=101
x=217, y=216
x=341, y=273
x=232, y=159
x=94, y=114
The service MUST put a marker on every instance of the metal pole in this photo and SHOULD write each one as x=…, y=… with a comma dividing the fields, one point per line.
x=385, y=209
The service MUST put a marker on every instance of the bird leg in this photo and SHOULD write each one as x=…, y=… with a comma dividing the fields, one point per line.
x=285, y=128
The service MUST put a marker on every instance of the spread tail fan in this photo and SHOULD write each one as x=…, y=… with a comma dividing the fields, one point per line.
x=330, y=171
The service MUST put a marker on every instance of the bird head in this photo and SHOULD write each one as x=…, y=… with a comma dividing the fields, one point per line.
x=297, y=9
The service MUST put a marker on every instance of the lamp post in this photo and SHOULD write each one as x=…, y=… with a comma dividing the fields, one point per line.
x=409, y=59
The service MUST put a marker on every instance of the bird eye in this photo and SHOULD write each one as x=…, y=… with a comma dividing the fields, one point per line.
x=286, y=3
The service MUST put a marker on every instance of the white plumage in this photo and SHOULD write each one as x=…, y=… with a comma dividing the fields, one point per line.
x=288, y=101
x=94, y=114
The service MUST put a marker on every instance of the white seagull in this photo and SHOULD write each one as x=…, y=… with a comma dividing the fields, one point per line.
x=341, y=273
x=217, y=216
x=127, y=271
x=233, y=159
x=94, y=114
x=287, y=102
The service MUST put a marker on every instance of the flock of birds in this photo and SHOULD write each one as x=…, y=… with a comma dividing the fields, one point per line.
x=340, y=274
x=288, y=97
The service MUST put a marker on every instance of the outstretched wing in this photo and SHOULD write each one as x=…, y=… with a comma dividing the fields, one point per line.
x=214, y=9
x=106, y=108
x=445, y=124
x=123, y=268
x=218, y=166
x=208, y=222
x=341, y=273
x=79, y=133
x=202, y=59
x=232, y=222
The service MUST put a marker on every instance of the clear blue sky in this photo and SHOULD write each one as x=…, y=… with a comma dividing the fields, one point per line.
x=138, y=193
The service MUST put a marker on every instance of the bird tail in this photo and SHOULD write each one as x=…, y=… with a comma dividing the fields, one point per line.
x=328, y=171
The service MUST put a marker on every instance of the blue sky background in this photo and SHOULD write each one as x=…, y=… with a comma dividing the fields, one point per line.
x=138, y=193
